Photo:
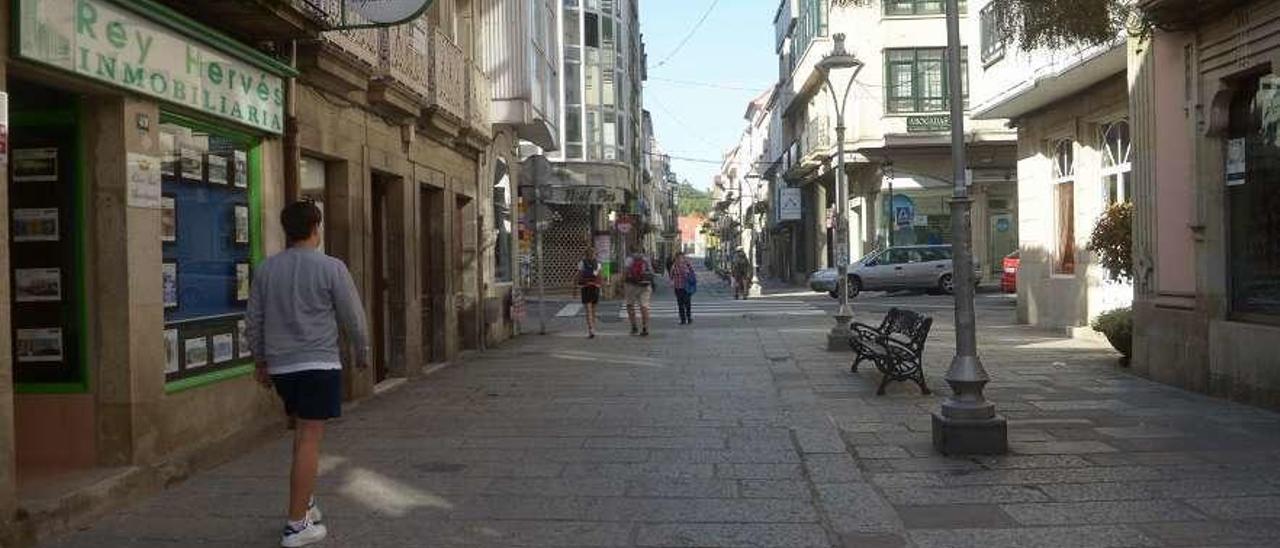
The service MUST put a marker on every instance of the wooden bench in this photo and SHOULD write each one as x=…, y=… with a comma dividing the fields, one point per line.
x=896, y=347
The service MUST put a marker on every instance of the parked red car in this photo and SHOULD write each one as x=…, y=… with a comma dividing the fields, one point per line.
x=1009, y=279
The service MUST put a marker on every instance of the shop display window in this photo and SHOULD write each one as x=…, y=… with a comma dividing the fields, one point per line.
x=46, y=239
x=210, y=239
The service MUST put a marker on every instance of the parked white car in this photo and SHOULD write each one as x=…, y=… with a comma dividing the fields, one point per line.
x=921, y=267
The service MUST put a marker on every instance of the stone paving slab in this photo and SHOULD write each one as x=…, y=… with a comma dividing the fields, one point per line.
x=746, y=432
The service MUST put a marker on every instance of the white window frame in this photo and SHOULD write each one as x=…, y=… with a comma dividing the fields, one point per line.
x=1122, y=170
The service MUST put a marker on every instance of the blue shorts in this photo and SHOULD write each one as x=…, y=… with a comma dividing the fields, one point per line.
x=311, y=395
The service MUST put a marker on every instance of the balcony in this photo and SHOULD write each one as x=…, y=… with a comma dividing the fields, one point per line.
x=264, y=20
x=479, y=101
x=816, y=141
x=401, y=83
x=448, y=75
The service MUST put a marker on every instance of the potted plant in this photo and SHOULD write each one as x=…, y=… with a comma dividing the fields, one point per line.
x=1112, y=242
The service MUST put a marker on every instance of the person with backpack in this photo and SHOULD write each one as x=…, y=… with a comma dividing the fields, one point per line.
x=638, y=289
x=685, y=283
x=590, y=281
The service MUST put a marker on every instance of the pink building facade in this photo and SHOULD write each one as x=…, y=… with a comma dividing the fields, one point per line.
x=1205, y=104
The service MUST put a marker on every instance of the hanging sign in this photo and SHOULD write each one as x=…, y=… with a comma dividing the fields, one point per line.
x=382, y=13
x=106, y=42
x=789, y=205
x=1235, y=162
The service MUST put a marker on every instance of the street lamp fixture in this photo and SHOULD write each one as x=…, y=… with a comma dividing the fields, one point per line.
x=967, y=423
x=839, y=61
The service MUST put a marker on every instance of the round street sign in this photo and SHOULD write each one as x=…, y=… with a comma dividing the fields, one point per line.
x=387, y=12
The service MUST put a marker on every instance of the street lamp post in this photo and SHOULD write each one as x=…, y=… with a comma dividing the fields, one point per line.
x=967, y=423
x=840, y=59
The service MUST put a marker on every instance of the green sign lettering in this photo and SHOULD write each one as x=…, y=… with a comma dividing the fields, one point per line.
x=102, y=40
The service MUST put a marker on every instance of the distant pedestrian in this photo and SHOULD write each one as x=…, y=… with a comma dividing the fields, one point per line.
x=298, y=300
x=685, y=283
x=743, y=275
x=590, y=281
x=638, y=289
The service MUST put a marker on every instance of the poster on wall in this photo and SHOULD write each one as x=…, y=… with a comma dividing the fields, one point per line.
x=1236, y=161
x=39, y=345
x=197, y=352
x=35, y=164
x=168, y=219
x=170, y=351
x=217, y=169
x=241, y=171
x=168, y=154
x=242, y=224
x=35, y=225
x=242, y=339
x=223, y=348
x=242, y=281
x=192, y=164
x=604, y=247
x=144, y=180
x=32, y=285
x=169, y=279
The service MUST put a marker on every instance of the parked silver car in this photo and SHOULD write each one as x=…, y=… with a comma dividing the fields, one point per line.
x=923, y=267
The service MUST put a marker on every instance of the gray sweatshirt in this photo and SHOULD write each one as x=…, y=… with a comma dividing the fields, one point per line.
x=298, y=299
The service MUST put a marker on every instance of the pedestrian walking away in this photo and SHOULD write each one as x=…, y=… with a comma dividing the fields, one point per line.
x=743, y=273
x=299, y=299
x=589, y=282
x=685, y=283
x=638, y=289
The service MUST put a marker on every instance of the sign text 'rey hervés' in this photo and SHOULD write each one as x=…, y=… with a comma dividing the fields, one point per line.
x=101, y=40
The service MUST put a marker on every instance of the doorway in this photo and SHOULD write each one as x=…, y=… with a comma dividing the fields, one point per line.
x=464, y=271
x=431, y=270
x=381, y=283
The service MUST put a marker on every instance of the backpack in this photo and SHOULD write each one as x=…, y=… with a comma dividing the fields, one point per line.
x=588, y=271
x=636, y=272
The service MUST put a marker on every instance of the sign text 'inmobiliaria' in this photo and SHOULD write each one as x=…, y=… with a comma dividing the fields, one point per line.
x=103, y=41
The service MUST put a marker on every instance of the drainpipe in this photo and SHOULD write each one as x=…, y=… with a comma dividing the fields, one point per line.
x=292, y=151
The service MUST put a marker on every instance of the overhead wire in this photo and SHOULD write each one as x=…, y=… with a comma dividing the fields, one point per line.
x=689, y=36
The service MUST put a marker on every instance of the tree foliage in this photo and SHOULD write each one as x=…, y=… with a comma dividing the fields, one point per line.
x=1051, y=24
x=690, y=200
x=1112, y=240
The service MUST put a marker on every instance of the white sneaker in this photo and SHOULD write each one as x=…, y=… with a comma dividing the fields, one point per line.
x=311, y=534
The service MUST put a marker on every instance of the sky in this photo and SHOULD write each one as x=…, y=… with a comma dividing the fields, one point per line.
x=732, y=51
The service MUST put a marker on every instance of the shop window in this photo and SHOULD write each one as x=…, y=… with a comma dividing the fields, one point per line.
x=1116, y=166
x=47, y=202
x=1253, y=200
x=502, y=222
x=1064, y=205
x=208, y=233
x=917, y=80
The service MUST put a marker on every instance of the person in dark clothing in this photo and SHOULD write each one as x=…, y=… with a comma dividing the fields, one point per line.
x=685, y=283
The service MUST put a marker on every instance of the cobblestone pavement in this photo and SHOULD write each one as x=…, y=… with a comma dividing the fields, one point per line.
x=744, y=432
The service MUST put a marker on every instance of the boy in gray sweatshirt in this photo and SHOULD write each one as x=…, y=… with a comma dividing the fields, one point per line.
x=299, y=299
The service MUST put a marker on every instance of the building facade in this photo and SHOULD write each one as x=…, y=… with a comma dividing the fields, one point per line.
x=596, y=181
x=897, y=139
x=145, y=186
x=1070, y=107
x=1204, y=109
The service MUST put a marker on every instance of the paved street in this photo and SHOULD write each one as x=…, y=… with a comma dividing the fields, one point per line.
x=742, y=431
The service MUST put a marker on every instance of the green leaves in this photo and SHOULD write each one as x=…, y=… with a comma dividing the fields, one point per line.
x=1112, y=240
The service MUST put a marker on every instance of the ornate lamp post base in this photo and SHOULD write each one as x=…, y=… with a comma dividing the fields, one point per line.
x=838, y=337
x=970, y=436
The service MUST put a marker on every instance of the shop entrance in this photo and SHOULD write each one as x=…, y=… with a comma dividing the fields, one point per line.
x=431, y=270
x=54, y=413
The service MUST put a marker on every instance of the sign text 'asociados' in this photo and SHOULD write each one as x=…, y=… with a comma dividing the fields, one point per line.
x=103, y=41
